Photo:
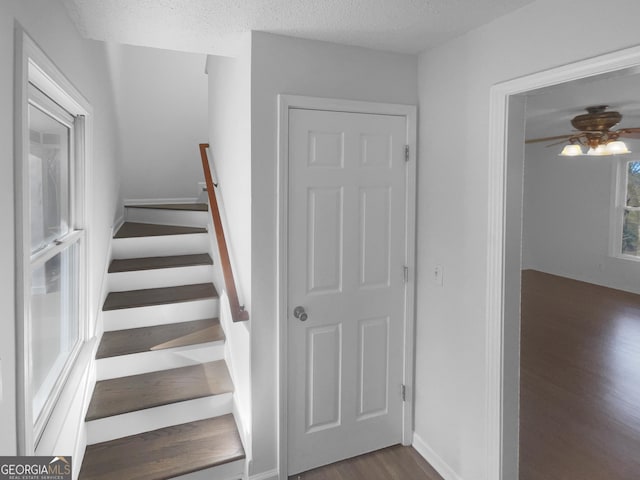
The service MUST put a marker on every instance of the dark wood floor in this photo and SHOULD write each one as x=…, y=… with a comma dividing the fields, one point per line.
x=580, y=381
x=393, y=463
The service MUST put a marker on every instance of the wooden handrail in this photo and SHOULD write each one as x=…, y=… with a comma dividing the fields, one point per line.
x=238, y=313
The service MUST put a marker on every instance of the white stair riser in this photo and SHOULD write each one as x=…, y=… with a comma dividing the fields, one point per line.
x=144, y=362
x=117, y=426
x=226, y=471
x=159, y=314
x=159, y=277
x=160, y=246
x=184, y=218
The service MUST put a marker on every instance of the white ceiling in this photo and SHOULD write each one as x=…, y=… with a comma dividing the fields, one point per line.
x=550, y=110
x=205, y=26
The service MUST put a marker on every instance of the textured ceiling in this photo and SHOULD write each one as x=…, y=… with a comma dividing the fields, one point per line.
x=408, y=26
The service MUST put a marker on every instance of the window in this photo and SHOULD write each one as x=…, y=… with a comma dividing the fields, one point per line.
x=51, y=241
x=54, y=249
x=631, y=216
x=627, y=238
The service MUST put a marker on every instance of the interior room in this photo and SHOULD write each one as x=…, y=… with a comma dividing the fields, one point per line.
x=580, y=321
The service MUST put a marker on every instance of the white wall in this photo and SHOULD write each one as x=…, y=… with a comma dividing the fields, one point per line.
x=454, y=83
x=161, y=100
x=230, y=155
x=85, y=64
x=567, y=212
x=283, y=65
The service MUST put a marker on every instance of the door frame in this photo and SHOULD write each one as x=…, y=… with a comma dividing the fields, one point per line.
x=506, y=125
x=285, y=104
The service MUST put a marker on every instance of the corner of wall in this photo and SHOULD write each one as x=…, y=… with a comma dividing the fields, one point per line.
x=442, y=467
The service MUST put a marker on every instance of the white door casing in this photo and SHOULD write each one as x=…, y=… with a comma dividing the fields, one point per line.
x=347, y=249
x=503, y=257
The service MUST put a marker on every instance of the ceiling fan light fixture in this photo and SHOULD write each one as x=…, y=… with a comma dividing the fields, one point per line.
x=599, y=151
x=617, y=148
x=571, y=150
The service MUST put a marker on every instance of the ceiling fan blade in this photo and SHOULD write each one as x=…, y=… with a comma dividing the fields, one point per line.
x=548, y=139
x=570, y=139
x=630, y=133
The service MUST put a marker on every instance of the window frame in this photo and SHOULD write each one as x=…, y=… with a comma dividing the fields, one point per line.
x=34, y=67
x=619, y=206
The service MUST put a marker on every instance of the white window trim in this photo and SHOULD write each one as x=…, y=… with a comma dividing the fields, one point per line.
x=618, y=206
x=33, y=65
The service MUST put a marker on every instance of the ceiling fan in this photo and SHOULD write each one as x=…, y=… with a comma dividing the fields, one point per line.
x=593, y=130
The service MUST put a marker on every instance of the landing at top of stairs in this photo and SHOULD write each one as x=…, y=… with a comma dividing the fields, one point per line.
x=134, y=230
x=165, y=453
x=194, y=207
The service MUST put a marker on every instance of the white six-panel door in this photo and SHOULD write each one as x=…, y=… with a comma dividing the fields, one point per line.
x=347, y=249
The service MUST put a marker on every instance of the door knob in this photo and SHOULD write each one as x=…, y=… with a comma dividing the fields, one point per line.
x=299, y=313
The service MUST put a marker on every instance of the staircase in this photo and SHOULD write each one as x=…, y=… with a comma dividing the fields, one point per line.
x=162, y=404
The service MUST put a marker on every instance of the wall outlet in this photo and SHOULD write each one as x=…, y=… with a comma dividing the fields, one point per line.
x=438, y=273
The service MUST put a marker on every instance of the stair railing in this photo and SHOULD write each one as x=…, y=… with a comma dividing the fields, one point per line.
x=238, y=313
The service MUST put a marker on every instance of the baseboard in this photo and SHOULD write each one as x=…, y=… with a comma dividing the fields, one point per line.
x=269, y=475
x=240, y=425
x=131, y=202
x=434, y=459
x=117, y=224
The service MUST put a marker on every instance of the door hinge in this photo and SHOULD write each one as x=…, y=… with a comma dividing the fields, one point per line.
x=403, y=392
x=405, y=273
x=406, y=153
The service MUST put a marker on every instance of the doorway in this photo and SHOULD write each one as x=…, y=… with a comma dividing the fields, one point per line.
x=346, y=279
x=504, y=262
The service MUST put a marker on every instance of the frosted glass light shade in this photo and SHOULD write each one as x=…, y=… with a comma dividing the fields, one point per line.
x=572, y=150
x=617, y=148
x=600, y=150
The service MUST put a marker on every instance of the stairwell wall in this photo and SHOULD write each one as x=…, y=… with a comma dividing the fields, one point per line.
x=85, y=65
x=161, y=98
x=229, y=106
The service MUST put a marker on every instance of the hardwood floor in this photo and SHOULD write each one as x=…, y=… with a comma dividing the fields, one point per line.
x=580, y=381
x=393, y=463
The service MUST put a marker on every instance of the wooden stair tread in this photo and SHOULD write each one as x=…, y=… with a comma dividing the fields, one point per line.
x=152, y=263
x=159, y=296
x=166, y=452
x=192, y=207
x=147, y=390
x=159, y=337
x=136, y=230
